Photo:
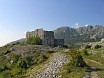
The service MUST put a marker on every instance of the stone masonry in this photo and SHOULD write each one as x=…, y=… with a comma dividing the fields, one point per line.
x=46, y=36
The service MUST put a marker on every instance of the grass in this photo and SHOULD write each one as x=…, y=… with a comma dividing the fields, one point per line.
x=101, y=74
x=97, y=57
x=79, y=73
x=76, y=72
x=100, y=62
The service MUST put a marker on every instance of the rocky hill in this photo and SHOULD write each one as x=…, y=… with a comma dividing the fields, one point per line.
x=39, y=61
x=81, y=34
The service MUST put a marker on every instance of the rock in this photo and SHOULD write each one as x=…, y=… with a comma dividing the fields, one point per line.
x=102, y=40
x=51, y=69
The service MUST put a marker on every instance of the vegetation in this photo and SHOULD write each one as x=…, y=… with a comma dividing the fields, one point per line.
x=34, y=40
x=76, y=59
x=15, y=65
x=87, y=47
x=97, y=46
x=84, y=52
x=97, y=57
x=76, y=67
x=25, y=62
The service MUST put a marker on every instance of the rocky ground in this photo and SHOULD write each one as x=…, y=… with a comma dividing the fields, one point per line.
x=93, y=74
x=51, y=69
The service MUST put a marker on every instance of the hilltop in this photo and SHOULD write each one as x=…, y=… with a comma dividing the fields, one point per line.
x=74, y=36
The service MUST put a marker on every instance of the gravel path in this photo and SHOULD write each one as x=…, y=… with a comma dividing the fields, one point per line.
x=51, y=69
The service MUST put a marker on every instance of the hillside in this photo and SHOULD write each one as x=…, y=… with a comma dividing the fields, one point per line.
x=38, y=61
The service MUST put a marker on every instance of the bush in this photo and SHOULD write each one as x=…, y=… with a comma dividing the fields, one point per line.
x=40, y=59
x=16, y=71
x=1, y=59
x=84, y=52
x=76, y=59
x=87, y=47
x=36, y=55
x=15, y=57
x=3, y=67
x=5, y=74
x=34, y=40
x=25, y=62
x=97, y=46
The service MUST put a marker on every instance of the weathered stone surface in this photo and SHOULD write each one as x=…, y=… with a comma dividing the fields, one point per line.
x=51, y=69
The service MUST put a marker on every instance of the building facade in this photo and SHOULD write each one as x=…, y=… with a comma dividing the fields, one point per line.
x=46, y=36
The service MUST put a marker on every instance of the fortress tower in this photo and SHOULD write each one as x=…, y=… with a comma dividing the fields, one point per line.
x=46, y=36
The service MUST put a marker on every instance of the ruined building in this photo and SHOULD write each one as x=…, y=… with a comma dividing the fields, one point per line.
x=46, y=36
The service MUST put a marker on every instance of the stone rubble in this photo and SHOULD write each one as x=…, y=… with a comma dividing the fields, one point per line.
x=51, y=69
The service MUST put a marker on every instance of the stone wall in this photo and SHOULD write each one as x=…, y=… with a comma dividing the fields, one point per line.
x=37, y=33
x=46, y=36
x=59, y=42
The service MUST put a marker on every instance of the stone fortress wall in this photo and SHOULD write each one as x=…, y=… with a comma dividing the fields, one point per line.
x=46, y=36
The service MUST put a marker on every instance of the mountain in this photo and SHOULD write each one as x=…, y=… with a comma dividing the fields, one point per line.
x=82, y=34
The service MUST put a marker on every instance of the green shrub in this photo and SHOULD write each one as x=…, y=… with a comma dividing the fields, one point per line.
x=36, y=54
x=6, y=74
x=87, y=47
x=3, y=67
x=76, y=59
x=84, y=52
x=25, y=62
x=97, y=46
x=16, y=71
x=41, y=59
x=34, y=40
x=15, y=57
x=1, y=59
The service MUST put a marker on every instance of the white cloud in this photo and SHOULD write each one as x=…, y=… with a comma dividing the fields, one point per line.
x=86, y=25
x=76, y=25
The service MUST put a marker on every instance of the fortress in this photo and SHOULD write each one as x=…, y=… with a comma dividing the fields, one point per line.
x=46, y=36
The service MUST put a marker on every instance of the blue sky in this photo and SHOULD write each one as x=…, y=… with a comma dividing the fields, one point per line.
x=19, y=16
